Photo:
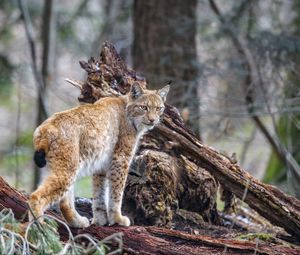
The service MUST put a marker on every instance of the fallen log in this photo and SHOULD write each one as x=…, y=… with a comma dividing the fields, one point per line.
x=152, y=240
x=184, y=162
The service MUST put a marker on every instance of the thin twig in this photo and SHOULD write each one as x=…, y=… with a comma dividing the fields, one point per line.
x=77, y=84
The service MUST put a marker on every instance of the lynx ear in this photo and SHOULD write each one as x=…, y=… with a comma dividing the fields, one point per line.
x=136, y=90
x=164, y=92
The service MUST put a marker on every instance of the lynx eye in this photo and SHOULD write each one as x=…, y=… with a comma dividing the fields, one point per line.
x=159, y=109
x=144, y=107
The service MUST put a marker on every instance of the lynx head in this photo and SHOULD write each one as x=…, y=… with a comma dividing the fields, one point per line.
x=145, y=107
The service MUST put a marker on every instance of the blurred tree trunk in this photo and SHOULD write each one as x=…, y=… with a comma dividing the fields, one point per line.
x=48, y=40
x=164, y=49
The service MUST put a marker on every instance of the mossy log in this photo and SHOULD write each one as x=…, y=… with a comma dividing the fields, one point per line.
x=173, y=169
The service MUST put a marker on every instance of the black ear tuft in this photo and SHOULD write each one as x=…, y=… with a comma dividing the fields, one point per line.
x=136, y=90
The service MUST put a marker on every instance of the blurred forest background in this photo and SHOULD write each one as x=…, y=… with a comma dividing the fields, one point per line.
x=234, y=67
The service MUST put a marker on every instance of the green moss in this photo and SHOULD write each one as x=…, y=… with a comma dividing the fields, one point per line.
x=261, y=236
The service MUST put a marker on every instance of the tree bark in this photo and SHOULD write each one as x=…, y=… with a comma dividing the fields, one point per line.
x=164, y=49
x=109, y=76
x=151, y=240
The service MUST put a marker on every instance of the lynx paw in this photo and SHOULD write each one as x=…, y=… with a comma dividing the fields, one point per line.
x=80, y=222
x=120, y=220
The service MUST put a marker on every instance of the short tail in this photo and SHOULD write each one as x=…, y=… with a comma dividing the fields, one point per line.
x=40, y=158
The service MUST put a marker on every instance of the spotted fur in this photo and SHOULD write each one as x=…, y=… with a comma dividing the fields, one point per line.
x=94, y=139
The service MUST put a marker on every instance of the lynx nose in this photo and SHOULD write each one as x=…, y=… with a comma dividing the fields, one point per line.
x=151, y=120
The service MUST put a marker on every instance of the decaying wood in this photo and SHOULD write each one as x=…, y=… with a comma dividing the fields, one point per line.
x=160, y=183
x=173, y=154
x=153, y=240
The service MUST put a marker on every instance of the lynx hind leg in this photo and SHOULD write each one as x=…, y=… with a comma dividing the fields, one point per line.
x=99, y=205
x=67, y=208
x=117, y=180
x=54, y=187
x=50, y=191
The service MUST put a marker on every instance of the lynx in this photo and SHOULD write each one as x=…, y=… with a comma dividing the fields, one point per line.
x=97, y=139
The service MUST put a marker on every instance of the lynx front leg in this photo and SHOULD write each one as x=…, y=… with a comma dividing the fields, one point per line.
x=69, y=212
x=117, y=179
x=99, y=205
